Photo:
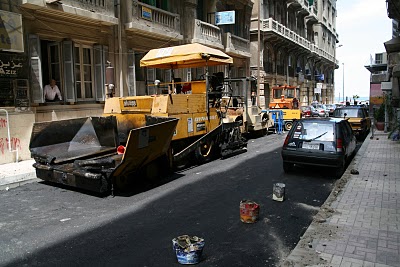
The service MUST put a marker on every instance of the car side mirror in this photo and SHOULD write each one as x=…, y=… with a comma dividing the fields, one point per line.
x=345, y=114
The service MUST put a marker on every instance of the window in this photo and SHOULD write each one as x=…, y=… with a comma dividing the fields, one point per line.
x=78, y=69
x=162, y=4
x=378, y=58
x=54, y=62
x=83, y=62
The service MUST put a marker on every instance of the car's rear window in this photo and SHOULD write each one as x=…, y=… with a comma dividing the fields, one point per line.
x=353, y=112
x=314, y=130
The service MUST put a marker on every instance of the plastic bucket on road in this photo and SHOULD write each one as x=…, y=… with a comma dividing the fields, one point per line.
x=188, y=249
x=249, y=211
x=278, y=192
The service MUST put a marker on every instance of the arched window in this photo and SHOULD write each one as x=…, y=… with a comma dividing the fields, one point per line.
x=280, y=63
x=268, y=60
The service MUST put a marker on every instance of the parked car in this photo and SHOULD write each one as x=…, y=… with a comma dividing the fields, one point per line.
x=331, y=108
x=306, y=111
x=328, y=142
x=358, y=117
x=322, y=110
x=314, y=112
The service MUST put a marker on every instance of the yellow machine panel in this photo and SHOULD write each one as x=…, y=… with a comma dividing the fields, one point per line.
x=179, y=103
x=132, y=104
x=192, y=124
x=198, y=87
x=291, y=114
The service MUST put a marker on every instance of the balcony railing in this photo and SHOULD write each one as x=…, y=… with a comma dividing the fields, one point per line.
x=158, y=17
x=207, y=33
x=95, y=10
x=274, y=26
x=237, y=45
x=101, y=3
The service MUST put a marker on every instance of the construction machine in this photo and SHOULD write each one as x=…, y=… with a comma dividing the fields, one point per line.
x=143, y=137
x=285, y=99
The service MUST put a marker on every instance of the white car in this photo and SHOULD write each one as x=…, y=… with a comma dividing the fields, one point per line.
x=323, y=111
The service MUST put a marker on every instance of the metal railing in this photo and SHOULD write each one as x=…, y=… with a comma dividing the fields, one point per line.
x=9, y=136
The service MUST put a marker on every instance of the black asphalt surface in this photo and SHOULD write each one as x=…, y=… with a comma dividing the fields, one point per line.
x=44, y=225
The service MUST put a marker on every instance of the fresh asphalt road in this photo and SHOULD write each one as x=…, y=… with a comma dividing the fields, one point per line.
x=44, y=225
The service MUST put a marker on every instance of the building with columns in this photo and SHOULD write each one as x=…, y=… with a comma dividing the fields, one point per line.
x=293, y=42
x=76, y=42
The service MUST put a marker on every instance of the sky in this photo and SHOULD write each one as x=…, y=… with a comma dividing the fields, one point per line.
x=363, y=26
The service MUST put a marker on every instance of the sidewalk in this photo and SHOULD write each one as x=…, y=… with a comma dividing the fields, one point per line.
x=16, y=174
x=359, y=224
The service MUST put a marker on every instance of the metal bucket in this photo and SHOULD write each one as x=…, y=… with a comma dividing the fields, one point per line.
x=278, y=192
x=188, y=249
x=249, y=211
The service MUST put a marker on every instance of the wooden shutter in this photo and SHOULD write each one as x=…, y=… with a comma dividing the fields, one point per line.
x=68, y=62
x=131, y=73
x=36, y=69
x=100, y=56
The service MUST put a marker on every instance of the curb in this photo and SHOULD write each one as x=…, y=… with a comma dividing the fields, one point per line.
x=16, y=174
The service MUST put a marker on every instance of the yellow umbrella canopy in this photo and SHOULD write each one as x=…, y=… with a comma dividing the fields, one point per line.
x=184, y=56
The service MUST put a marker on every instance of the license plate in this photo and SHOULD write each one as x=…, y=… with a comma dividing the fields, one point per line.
x=310, y=146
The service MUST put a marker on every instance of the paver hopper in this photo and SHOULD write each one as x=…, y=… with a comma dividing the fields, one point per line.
x=83, y=153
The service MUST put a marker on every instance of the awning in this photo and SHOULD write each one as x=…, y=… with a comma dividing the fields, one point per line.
x=185, y=56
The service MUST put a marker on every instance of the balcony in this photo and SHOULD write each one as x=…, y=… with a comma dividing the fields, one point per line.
x=148, y=20
x=272, y=26
x=313, y=16
x=322, y=53
x=236, y=46
x=80, y=11
x=300, y=6
x=207, y=34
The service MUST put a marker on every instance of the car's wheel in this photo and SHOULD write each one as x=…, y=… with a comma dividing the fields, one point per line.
x=288, y=167
x=288, y=125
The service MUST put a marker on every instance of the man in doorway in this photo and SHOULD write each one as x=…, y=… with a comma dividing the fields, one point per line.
x=52, y=92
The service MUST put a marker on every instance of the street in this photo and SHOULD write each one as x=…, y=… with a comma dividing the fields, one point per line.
x=44, y=225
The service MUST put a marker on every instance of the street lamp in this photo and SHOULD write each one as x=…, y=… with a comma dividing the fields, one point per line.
x=343, y=83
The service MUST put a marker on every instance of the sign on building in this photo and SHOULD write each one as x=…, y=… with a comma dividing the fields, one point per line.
x=317, y=90
x=11, y=35
x=225, y=17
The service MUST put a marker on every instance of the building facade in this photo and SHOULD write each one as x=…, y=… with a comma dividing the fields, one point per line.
x=297, y=48
x=379, y=74
x=393, y=51
x=78, y=42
